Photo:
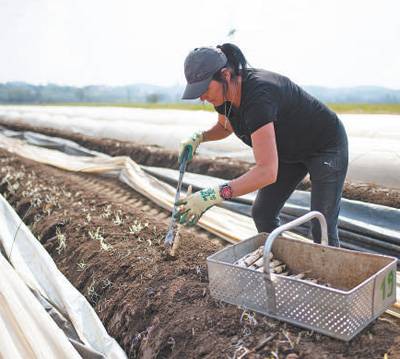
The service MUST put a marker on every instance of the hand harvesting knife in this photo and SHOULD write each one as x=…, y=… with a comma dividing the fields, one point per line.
x=170, y=237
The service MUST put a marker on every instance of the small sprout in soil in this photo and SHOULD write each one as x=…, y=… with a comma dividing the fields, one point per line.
x=171, y=342
x=36, y=202
x=37, y=218
x=246, y=331
x=105, y=246
x=248, y=318
x=241, y=352
x=47, y=209
x=5, y=178
x=96, y=234
x=19, y=175
x=66, y=193
x=138, y=338
x=107, y=212
x=286, y=335
x=91, y=292
x=106, y=283
x=88, y=217
x=137, y=227
x=81, y=266
x=117, y=219
x=61, y=241
x=98, y=237
x=309, y=333
x=10, y=187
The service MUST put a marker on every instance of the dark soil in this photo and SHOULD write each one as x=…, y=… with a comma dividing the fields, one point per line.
x=155, y=307
x=222, y=167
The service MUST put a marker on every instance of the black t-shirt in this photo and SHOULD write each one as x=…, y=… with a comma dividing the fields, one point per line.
x=303, y=125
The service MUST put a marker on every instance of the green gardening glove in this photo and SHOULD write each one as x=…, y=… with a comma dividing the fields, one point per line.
x=191, y=143
x=194, y=205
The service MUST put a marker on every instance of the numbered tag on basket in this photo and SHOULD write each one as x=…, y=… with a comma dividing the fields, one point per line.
x=385, y=290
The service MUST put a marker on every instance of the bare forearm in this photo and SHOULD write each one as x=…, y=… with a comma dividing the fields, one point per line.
x=256, y=178
x=215, y=133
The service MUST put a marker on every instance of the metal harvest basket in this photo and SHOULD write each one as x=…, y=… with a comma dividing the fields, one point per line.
x=363, y=285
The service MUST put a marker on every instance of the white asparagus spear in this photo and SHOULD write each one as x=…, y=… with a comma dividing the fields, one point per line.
x=279, y=269
x=241, y=261
x=259, y=262
x=251, y=257
x=272, y=264
x=254, y=256
x=298, y=276
x=311, y=280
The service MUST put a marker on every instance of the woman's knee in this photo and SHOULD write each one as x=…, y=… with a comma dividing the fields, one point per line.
x=264, y=221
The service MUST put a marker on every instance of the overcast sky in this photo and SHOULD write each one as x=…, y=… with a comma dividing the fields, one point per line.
x=314, y=42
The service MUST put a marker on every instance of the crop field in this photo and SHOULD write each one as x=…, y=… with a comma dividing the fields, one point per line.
x=107, y=240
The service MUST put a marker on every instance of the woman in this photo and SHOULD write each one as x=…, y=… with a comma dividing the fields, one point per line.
x=291, y=134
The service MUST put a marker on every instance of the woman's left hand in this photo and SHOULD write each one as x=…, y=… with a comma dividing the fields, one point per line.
x=194, y=205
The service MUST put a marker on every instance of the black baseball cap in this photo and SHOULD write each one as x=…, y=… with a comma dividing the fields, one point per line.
x=200, y=66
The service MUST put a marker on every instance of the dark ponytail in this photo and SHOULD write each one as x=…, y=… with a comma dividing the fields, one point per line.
x=236, y=59
x=237, y=63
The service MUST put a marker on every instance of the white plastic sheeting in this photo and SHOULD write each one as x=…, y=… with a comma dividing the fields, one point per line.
x=129, y=124
x=373, y=139
x=27, y=331
x=38, y=271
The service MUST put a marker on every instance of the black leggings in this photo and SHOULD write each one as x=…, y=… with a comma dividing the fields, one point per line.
x=327, y=169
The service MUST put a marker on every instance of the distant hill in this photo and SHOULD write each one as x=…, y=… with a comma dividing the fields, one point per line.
x=360, y=94
x=21, y=92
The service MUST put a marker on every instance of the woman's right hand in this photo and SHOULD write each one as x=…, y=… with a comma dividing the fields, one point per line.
x=191, y=144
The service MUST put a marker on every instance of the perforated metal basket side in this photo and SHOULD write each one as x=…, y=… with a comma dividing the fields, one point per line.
x=237, y=285
x=329, y=311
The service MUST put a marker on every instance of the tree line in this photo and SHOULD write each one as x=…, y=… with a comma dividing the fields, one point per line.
x=24, y=93
x=20, y=92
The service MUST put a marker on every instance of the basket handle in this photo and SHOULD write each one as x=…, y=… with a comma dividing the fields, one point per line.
x=268, y=245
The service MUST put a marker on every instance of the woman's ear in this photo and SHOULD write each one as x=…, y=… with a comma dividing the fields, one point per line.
x=226, y=74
